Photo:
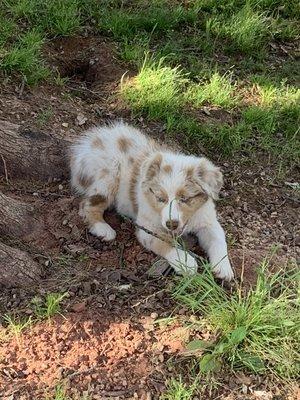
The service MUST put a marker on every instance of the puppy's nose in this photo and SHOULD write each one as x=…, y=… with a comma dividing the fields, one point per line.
x=172, y=224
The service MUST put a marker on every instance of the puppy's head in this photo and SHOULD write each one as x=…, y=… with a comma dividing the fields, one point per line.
x=177, y=186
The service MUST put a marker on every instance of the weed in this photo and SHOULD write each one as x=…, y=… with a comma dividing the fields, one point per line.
x=44, y=116
x=257, y=330
x=17, y=325
x=177, y=390
x=61, y=394
x=49, y=307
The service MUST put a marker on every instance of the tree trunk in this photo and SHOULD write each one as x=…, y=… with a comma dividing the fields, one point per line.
x=17, y=268
x=31, y=154
x=16, y=218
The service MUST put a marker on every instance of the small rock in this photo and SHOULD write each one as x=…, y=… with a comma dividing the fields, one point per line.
x=35, y=194
x=65, y=124
x=60, y=187
x=81, y=119
x=244, y=388
x=79, y=307
x=161, y=358
x=111, y=297
x=65, y=221
x=154, y=315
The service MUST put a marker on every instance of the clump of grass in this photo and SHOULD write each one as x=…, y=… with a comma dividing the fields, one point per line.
x=257, y=330
x=135, y=51
x=177, y=390
x=24, y=57
x=63, y=17
x=126, y=22
x=7, y=28
x=156, y=90
x=49, y=307
x=218, y=91
x=248, y=30
x=16, y=325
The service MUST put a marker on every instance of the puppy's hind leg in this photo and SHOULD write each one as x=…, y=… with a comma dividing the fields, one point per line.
x=92, y=209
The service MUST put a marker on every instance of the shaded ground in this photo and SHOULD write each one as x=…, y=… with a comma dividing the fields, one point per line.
x=106, y=344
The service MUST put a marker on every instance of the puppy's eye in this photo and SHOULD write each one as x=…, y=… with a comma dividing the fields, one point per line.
x=158, y=198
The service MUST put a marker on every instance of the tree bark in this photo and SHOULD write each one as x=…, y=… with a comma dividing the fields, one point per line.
x=17, y=268
x=16, y=218
x=30, y=154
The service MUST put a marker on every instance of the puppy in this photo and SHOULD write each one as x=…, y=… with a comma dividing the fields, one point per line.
x=165, y=192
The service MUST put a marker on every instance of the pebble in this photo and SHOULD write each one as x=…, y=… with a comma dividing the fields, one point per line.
x=60, y=187
x=154, y=315
x=65, y=124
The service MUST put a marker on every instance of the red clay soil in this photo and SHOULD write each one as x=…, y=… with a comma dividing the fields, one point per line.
x=106, y=343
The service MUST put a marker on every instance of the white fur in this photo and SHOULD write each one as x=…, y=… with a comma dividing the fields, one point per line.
x=89, y=161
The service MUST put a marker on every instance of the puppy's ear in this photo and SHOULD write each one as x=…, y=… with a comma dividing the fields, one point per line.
x=210, y=177
x=153, y=167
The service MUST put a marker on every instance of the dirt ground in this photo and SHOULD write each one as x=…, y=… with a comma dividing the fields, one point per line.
x=107, y=343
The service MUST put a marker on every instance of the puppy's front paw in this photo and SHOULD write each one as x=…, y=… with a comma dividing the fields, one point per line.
x=182, y=262
x=223, y=270
x=103, y=230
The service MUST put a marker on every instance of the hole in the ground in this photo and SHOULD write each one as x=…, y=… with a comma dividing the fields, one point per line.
x=78, y=71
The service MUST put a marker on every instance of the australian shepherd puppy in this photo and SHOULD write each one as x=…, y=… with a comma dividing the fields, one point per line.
x=165, y=192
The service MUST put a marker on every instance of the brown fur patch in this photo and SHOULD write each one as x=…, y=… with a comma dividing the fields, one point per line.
x=85, y=181
x=124, y=144
x=93, y=209
x=161, y=247
x=135, y=173
x=167, y=169
x=153, y=194
x=98, y=143
x=189, y=171
x=195, y=199
x=154, y=167
x=103, y=173
x=97, y=199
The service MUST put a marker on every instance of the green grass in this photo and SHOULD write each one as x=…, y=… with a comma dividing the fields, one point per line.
x=270, y=123
x=177, y=390
x=247, y=30
x=256, y=331
x=24, y=58
x=60, y=393
x=218, y=91
x=45, y=309
x=16, y=325
x=156, y=90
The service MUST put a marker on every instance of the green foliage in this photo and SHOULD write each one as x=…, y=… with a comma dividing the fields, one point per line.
x=50, y=306
x=16, y=325
x=258, y=330
x=24, y=57
x=248, y=30
x=218, y=91
x=177, y=390
x=156, y=90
